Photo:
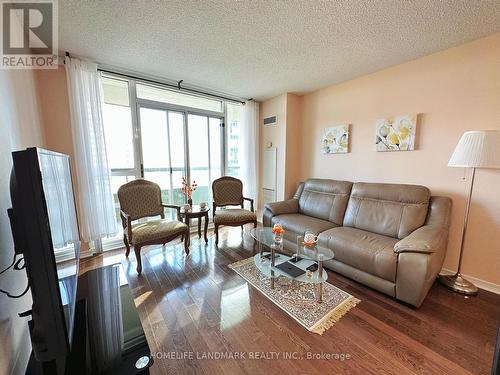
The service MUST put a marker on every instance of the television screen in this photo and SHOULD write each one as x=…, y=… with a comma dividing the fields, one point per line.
x=45, y=228
x=59, y=199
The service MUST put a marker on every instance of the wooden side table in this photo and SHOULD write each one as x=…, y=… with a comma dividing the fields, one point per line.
x=197, y=213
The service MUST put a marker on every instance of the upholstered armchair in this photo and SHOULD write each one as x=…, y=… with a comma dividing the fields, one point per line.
x=140, y=199
x=228, y=191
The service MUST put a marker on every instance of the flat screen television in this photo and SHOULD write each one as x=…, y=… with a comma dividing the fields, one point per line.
x=45, y=230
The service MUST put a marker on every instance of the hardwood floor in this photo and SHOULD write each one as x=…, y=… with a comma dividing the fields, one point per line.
x=197, y=306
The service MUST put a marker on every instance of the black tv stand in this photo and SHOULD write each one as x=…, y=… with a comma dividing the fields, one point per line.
x=108, y=337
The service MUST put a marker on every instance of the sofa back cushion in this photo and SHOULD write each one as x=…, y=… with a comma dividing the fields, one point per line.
x=325, y=199
x=393, y=210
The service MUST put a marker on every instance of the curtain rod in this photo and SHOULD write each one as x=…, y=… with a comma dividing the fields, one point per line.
x=178, y=86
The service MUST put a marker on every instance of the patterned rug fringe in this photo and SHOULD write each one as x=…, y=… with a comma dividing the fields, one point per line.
x=319, y=327
x=334, y=316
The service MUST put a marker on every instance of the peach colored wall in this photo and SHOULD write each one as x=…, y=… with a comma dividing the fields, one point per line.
x=454, y=90
x=293, y=143
x=54, y=107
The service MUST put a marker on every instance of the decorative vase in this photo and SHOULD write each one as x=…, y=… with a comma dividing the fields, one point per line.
x=278, y=233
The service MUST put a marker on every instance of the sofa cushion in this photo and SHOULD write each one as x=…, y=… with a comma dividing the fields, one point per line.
x=299, y=224
x=325, y=199
x=369, y=252
x=393, y=210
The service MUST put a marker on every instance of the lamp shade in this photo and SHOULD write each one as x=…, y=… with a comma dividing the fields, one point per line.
x=478, y=149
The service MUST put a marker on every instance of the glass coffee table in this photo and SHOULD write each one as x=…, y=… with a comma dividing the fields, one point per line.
x=267, y=261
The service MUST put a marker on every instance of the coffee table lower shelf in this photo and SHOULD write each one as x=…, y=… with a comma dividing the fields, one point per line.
x=267, y=266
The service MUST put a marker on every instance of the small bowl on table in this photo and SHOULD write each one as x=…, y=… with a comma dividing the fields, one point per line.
x=309, y=244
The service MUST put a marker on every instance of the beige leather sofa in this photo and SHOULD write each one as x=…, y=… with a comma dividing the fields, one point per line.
x=390, y=237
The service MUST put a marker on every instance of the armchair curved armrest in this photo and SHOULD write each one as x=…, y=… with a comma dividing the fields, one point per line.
x=214, y=207
x=175, y=207
x=290, y=206
x=426, y=239
x=126, y=224
x=251, y=203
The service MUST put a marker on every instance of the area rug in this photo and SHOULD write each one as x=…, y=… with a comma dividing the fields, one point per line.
x=298, y=299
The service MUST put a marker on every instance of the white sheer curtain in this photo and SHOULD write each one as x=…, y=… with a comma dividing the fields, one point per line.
x=94, y=183
x=249, y=146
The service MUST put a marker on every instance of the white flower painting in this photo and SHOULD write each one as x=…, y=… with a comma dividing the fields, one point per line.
x=336, y=139
x=396, y=133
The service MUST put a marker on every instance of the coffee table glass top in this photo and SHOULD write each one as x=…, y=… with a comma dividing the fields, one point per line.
x=264, y=265
x=265, y=236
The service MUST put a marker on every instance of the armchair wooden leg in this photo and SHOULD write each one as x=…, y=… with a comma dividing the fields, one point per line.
x=137, y=250
x=216, y=229
x=186, y=242
x=127, y=246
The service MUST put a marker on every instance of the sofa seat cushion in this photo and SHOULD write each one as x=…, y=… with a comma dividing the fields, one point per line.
x=299, y=224
x=234, y=216
x=155, y=230
x=369, y=252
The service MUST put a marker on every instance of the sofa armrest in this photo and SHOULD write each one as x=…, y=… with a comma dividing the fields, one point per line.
x=420, y=258
x=426, y=239
x=421, y=254
x=290, y=206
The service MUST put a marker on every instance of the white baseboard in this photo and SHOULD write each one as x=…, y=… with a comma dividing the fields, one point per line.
x=481, y=284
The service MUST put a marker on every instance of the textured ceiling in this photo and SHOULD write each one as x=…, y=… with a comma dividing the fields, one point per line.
x=263, y=48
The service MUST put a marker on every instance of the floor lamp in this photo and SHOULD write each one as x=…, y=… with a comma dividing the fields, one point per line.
x=476, y=149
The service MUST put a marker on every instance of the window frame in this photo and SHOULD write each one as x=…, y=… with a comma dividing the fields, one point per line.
x=163, y=87
x=135, y=104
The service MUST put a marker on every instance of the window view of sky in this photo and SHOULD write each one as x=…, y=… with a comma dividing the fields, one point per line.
x=163, y=138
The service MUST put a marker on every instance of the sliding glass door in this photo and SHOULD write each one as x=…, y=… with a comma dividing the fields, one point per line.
x=176, y=144
x=163, y=135
x=163, y=151
x=205, y=154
